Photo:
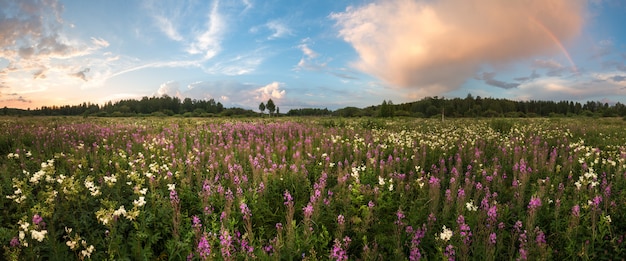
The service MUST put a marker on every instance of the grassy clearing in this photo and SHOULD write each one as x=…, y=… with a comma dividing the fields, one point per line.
x=312, y=188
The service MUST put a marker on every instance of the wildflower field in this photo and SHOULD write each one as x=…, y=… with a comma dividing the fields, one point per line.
x=312, y=189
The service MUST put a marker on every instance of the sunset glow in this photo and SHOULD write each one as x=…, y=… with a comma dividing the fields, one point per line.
x=320, y=54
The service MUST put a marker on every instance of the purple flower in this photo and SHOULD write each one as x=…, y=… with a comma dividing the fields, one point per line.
x=596, y=201
x=449, y=252
x=461, y=193
x=245, y=210
x=196, y=222
x=535, y=203
x=400, y=216
x=338, y=252
x=226, y=241
x=37, y=219
x=576, y=211
x=492, y=213
x=174, y=197
x=541, y=237
x=204, y=249
x=15, y=242
x=340, y=219
x=288, y=198
x=492, y=238
x=518, y=226
x=308, y=210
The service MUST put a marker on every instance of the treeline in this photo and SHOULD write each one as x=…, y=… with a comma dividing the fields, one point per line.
x=471, y=107
x=428, y=107
x=154, y=106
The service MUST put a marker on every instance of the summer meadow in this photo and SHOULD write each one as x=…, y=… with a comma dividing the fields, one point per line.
x=312, y=189
x=313, y=130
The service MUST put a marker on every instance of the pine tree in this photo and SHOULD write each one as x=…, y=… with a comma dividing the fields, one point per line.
x=271, y=107
x=262, y=108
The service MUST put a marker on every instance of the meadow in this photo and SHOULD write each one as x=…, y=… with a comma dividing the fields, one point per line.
x=312, y=189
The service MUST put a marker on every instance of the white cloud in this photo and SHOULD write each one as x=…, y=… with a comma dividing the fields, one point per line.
x=304, y=47
x=270, y=91
x=99, y=42
x=244, y=63
x=279, y=28
x=435, y=46
x=209, y=41
x=593, y=86
x=170, y=88
x=167, y=26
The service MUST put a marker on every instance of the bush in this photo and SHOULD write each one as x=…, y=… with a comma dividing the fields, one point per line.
x=501, y=125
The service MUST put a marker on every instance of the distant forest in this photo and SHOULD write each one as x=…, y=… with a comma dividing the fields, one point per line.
x=428, y=107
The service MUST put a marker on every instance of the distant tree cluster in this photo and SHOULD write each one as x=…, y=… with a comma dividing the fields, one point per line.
x=270, y=106
x=160, y=106
x=471, y=107
x=428, y=107
x=309, y=112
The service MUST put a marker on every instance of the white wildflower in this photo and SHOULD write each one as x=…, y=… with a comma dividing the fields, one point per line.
x=445, y=234
x=470, y=206
x=120, y=211
x=140, y=202
x=71, y=244
x=38, y=235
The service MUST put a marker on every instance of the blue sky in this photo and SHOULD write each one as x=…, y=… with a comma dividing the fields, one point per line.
x=323, y=54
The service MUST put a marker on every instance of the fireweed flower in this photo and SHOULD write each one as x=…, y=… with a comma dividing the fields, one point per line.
x=492, y=238
x=174, y=197
x=204, y=249
x=37, y=219
x=288, y=198
x=308, y=210
x=226, y=241
x=449, y=252
x=465, y=230
x=400, y=216
x=492, y=214
x=576, y=211
x=339, y=250
x=535, y=203
x=340, y=219
x=196, y=222
x=245, y=210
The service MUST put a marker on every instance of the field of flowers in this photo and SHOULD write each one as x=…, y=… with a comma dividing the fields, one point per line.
x=312, y=189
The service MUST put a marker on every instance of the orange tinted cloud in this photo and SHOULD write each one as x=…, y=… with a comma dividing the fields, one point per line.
x=436, y=45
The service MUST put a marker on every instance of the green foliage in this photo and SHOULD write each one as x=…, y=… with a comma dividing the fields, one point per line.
x=271, y=107
x=152, y=188
x=502, y=125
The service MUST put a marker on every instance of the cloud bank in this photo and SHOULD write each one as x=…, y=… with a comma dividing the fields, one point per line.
x=435, y=46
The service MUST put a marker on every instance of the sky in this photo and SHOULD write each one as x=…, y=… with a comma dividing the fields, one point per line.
x=312, y=53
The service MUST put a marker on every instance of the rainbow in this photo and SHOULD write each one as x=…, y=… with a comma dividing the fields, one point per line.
x=556, y=41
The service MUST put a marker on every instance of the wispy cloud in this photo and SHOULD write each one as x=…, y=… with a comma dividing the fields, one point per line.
x=166, y=25
x=279, y=28
x=435, y=46
x=208, y=42
x=230, y=93
x=311, y=62
x=489, y=78
x=39, y=52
